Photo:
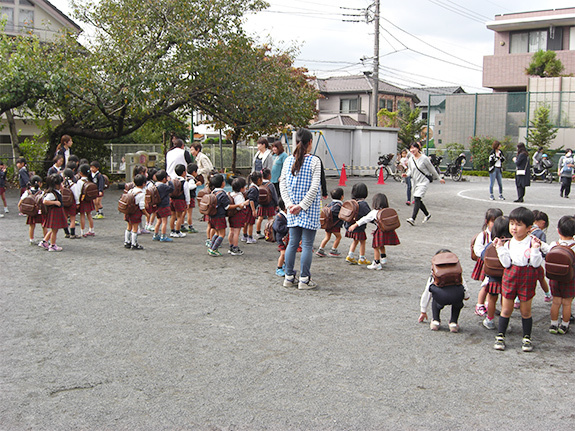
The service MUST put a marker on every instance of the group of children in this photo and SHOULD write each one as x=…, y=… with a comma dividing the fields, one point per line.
x=520, y=246
x=61, y=197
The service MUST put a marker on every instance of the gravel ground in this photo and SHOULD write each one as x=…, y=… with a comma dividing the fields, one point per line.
x=102, y=338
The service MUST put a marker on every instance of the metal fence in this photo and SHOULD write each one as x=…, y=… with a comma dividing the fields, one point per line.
x=455, y=118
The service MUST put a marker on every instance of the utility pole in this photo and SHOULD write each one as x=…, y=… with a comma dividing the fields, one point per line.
x=375, y=74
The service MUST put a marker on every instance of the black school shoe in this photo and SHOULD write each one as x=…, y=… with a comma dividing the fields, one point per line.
x=137, y=247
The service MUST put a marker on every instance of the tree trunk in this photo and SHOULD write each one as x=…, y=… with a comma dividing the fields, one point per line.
x=13, y=135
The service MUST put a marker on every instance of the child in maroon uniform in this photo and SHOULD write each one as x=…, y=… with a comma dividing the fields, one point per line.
x=55, y=218
x=335, y=205
x=31, y=221
x=164, y=187
x=238, y=220
x=217, y=222
x=134, y=219
x=521, y=257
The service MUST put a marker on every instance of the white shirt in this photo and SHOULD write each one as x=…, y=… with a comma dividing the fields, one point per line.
x=238, y=197
x=175, y=157
x=519, y=253
x=479, y=244
x=140, y=196
x=371, y=216
x=77, y=189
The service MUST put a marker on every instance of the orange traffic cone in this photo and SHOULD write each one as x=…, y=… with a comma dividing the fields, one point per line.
x=342, y=177
x=380, y=177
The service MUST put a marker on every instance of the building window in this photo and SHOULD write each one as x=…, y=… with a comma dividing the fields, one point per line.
x=347, y=106
x=7, y=13
x=26, y=18
x=424, y=115
x=536, y=40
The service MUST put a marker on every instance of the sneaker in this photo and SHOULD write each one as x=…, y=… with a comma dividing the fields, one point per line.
x=184, y=229
x=251, y=241
x=243, y=238
x=526, y=344
x=553, y=329
x=427, y=217
x=54, y=248
x=363, y=261
x=298, y=249
x=408, y=203
x=44, y=245
x=191, y=229
x=351, y=260
x=499, y=342
x=98, y=216
x=383, y=260
x=306, y=285
x=208, y=243
x=376, y=266
x=166, y=239
x=453, y=327
x=489, y=324
x=548, y=298
x=434, y=325
x=236, y=251
x=1, y=215
x=280, y=272
x=491, y=198
x=75, y=237
x=173, y=234
x=67, y=236
x=90, y=234
x=290, y=281
x=261, y=236
x=6, y=210
x=320, y=252
x=156, y=237
x=480, y=310
x=334, y=252
x=127, y=245
x=516, y=304
x=563, y=329
x=501, y=198
x=151, y=228
x=411, y=221
x=32, y=242
x=180, y=235
x=137, y=247
x=215, y=253
x=143, y=232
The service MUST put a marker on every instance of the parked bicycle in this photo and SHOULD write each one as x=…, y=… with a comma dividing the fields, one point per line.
x=453, y=170
x=384, y=163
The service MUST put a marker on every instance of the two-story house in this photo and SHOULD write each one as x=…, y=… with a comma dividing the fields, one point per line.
x=346, y=100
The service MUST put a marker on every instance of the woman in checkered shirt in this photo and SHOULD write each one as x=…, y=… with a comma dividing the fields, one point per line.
x=300, y=184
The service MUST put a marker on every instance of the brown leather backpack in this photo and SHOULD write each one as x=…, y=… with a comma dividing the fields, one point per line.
x=67, y=197
x=349, y=211
x=326, y=218
x=269, y=231
x=153, y=198
x=89, y=191
x=492, y=265
x=387, y=219
x=31, y=204
x=127, y=203
x=446, y=269
x=209, y=204
x=178, y=188
x=265, y=195
x=473, y=255
x=559, y=264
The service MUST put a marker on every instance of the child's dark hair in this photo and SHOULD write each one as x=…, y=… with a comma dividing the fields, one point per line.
x=180, y=169
x=52, y=181
x=161, y=175
x=379, y=201
x=72, y=165
x=522, y=215
x=1, y=163
x=95, y=164
x=58, y=157
x=73, y=158
x=566, y=226
x=238, y=184
x=337, y=193
x=491, y=214
x=84, y=169
x=68, y=173
x=152, y=172
x=266, y=173
x=255, y=176
x=192, y=167
x=138, y=169
x=281, y=204
x=84, y=162
x=442, y=250
x=359, y=191
x=216, y=182
x=21, y=160
x=501, y=228
x=139, y=180
x=540, y=215
x=35, y=182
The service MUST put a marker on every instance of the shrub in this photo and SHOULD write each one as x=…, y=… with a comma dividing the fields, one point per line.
x=481, y=146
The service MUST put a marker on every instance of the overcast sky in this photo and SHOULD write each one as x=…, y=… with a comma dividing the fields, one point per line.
x=449, y=31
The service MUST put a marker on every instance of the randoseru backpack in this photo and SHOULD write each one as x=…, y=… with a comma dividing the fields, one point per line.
x=349, y=211
x=178, y=188
x=265, y=195
x=127, y=203
x=269, y=231
x=209, y=204
x=387, y=219
x=129, y=186
x=31, y=205
x=446, y=269
x=473, y=255
x=67, y=197
x=491, y=263
x=326, y=218
x=559, y=264
x=89, y=191
x=153, y=198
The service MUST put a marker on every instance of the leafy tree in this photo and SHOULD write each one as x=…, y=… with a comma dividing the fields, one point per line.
x=545, y=64
x=407, y=120
x=454, y=150
x=481, y=146
x=541, y=132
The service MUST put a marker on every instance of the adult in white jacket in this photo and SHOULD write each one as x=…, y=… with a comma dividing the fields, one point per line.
x=263, y=158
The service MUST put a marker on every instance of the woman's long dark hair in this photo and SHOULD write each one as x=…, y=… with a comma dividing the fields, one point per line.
x=521, y=149
x=303, y=138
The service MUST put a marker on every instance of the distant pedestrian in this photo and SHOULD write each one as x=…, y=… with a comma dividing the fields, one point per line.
x=523, y=171
x=496, y=160
x=565, y=172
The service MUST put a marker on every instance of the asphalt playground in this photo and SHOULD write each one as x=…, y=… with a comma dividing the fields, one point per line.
x=98, y=337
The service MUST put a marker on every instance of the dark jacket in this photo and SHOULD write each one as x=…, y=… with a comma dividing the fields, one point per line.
x=522, y=163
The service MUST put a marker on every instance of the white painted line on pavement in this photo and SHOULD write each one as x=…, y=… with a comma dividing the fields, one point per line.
x=461, y=195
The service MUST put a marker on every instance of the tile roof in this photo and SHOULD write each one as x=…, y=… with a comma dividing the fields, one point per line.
x=340, y=120
x=424, y=92
x=357, y=84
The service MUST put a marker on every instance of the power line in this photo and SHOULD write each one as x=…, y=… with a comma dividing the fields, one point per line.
x=457, y=11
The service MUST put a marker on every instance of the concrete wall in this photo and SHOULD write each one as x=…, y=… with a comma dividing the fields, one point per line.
x=359, y=146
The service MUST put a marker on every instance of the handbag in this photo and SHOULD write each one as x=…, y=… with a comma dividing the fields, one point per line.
x=520, y=172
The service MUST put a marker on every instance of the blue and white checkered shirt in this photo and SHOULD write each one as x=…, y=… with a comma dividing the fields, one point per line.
x=302, y=189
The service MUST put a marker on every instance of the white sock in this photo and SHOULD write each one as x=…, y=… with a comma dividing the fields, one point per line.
x=134, y=238
x=565, y=323
x=555, y=322
x=127, y=236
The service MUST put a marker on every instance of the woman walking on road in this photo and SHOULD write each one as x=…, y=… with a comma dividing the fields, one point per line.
x=565, y=172
x=422, y=173
x=496, y=160
x=523, y=171
x=300, y=186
